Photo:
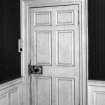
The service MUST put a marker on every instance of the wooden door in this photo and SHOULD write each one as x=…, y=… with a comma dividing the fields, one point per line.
x=55, y=46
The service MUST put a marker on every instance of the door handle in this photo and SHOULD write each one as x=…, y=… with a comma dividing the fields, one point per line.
x=35, y=69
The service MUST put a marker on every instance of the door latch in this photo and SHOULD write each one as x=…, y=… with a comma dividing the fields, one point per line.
x=35, y=69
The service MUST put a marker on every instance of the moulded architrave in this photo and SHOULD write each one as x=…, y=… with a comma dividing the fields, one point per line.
x=25, y=55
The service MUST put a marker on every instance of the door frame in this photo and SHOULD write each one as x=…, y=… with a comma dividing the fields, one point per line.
x=25, y=6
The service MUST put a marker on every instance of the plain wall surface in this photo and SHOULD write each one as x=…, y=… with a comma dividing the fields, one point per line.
x=9, y=34
x=96, y=9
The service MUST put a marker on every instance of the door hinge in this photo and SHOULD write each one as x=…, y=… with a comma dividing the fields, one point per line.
x=20, y=45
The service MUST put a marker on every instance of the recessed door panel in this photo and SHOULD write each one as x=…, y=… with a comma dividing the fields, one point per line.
x=40, y=17
x=43, y=47
x=65, y=17
x=43, y=18
x=41, y=87
x=65, y=91
x=65, y=47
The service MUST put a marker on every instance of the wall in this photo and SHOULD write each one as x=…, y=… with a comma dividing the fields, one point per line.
x=11, y=93
x=96, y=18
x=96, y=93
x=9, y=34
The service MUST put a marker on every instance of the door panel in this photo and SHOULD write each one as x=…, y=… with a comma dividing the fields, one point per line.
x=41, y=91
x=55, y=46
x=65, y=54
x=43, y=47
x=65, y=91
x=65, y=17
x=42, y=18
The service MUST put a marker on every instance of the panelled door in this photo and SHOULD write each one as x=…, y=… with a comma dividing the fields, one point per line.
x=55, y=54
